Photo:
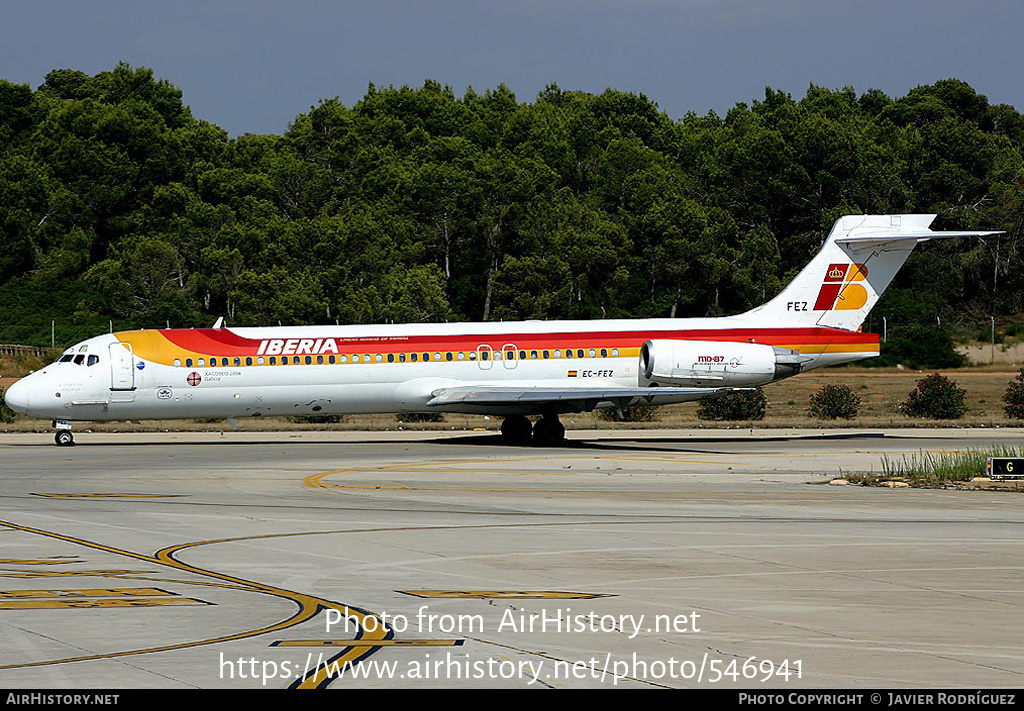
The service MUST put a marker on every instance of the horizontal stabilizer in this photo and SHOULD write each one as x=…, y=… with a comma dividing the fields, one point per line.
x=915, y=236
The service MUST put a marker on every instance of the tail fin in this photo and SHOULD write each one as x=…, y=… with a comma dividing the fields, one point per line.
x=859, y=259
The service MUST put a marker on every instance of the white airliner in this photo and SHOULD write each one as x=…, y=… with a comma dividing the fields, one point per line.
x=513, y=370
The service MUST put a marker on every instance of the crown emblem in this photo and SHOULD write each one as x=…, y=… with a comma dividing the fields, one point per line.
x=836, y=273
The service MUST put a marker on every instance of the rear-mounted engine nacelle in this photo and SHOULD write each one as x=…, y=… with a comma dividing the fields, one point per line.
x=669, y=362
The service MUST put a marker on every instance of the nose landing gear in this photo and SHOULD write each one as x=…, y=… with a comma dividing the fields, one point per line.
x=63, y=436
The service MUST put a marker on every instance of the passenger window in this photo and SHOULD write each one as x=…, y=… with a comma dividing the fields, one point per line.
x=546, y=354
x=238, y=361
x=426, y=357
x=177, y=362
x=401, y=357
x=533, y=355
x=484, y=355
x=593, y=353
x=615, y=352
x=330, y=359
x=579, y=352
x=604, y=352
x=319, y=360
x=472, y=355
x=558, y=354
x=202, y=362
x=344, y=359
x=414, y=357
x=391, y=357
x=188, y=362
x=461, y=356
x=522, y=355
x=378, y=358
x=260, y=361
x=309, y=360
x=213, y=362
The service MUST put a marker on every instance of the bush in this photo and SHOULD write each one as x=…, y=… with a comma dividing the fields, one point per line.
x=919, y=347
x=411, y=417
x=634, y=413
x=6, y=413
x=737, y=405
x=936, y=397
x=317, y=419
x=834, y=402
x=1014, y=398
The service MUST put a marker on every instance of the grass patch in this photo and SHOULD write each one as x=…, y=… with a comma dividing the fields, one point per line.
x=938, y=468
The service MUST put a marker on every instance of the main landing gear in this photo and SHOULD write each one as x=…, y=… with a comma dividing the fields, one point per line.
x=546, y=432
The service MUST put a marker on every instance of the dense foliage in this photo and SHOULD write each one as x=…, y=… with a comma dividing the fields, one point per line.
x=120, y=208
x=1014, y=398
x=6, y=413
x=633, y=413
x=936, y=397
x=919, y=346
x=737, y=405
x=834, y=402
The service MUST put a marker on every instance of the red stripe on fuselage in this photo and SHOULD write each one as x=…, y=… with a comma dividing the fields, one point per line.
x=222, y=342
x=215, y=341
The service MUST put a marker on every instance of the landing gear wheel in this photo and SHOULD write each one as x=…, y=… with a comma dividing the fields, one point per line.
x=64, y=438
x=548, y=431
x=515, y=429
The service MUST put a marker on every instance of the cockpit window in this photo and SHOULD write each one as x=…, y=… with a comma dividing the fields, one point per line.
x=79, y=359
x=66, y=358
x=92, y=360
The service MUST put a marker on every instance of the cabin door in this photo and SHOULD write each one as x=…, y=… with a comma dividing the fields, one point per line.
x=122, y=367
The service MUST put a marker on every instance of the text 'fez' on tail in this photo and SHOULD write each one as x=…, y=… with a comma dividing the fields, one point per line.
x=854, y=267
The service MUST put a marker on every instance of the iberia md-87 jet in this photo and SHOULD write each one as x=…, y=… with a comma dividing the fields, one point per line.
x=508, y=369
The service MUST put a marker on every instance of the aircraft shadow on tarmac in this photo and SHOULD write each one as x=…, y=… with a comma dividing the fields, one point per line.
x=648, y=444
x=576, y=441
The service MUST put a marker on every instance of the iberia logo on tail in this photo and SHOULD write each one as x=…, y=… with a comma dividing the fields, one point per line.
x=841, y=289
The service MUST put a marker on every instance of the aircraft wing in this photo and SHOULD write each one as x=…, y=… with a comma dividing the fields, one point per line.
x=527, y=399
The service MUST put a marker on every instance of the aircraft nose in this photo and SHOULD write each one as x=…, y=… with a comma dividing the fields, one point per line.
x=16, y=397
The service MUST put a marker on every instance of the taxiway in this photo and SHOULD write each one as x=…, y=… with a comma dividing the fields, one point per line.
x=627, y=559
